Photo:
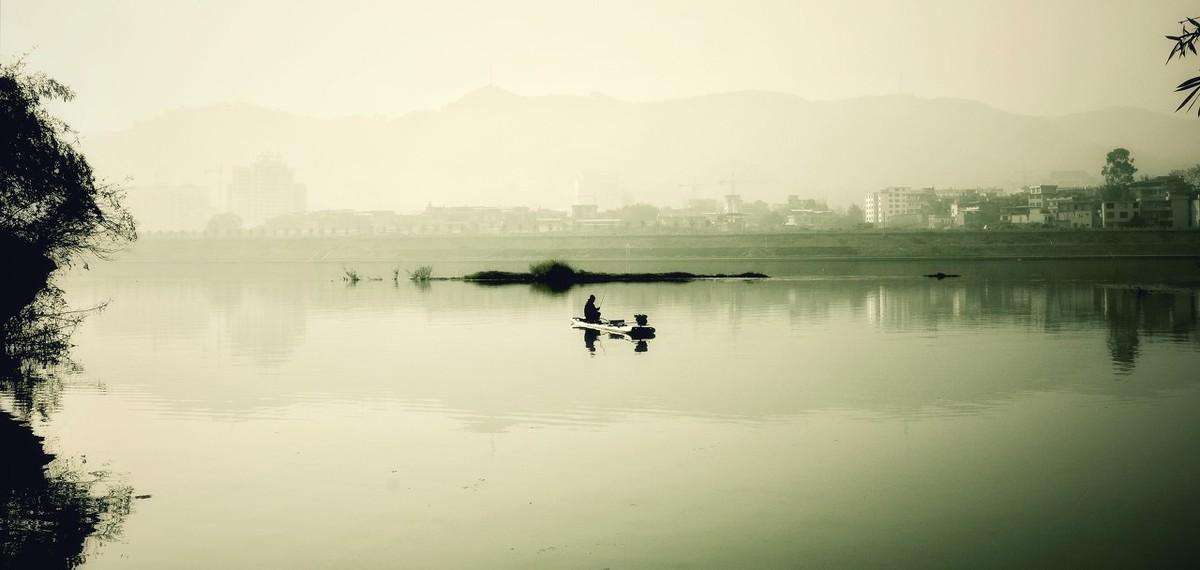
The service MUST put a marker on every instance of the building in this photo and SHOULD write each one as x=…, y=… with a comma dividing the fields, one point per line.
x=1040, y=193
x=810, y=218
x=1075, y=219
x=264, y=190
x=1158, y=188
x=733, y=204
x=1048, y=205
x=1178, y=210
x=1026, y=215
x=974, y=214
x=1118, y=214
x=170, y=207
x=585, y=211
x=895, y=206
x=938, y=222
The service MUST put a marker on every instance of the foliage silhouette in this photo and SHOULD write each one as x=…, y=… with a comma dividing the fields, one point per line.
x=1186, y=42
x=557, y=276
x=52, y=210
x=421, y=274
x=50, y=200
x=52, y=506
x=1118, y=174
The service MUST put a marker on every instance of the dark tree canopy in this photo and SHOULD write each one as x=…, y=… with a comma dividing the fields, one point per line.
x=50, y=200
x=1118, y=172
x=1190, y=176
x=51, y=208
x=1185, y=42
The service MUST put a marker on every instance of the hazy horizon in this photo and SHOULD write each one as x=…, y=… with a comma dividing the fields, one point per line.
x=492, y=147
x=235, y=103
x=359, y=60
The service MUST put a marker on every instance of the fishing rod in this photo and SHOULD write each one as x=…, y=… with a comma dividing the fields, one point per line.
x=601, y=304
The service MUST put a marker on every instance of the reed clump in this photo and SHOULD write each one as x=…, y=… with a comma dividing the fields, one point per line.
x=421, y=274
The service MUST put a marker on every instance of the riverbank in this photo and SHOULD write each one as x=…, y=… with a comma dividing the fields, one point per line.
x=859, y=246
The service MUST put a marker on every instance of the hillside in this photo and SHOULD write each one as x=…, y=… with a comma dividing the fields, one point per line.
x=494, y=147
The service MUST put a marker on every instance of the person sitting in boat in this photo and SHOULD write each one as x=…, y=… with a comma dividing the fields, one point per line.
x=591, y=313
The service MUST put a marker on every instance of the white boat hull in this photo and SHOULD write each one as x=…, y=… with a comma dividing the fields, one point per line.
x=631, y=331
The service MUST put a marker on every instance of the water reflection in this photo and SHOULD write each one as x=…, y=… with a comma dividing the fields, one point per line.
x=51, y=506
x=239, y=345
x=589, y=339
x=590, y=336
x=1127, y=313
x=870, y=408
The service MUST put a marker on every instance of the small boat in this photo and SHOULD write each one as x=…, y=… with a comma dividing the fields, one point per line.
x=615, y=326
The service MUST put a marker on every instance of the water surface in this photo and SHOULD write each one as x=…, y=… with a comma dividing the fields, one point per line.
x=280, y=418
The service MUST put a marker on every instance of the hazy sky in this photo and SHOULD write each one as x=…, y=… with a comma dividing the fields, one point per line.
x=132, y=59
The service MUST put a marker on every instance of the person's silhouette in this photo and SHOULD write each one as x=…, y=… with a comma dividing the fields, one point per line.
x=591, y=313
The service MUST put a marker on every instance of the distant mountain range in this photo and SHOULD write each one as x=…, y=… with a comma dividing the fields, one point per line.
x=493, y=147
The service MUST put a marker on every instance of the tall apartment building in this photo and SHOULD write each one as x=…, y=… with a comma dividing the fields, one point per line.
x=263, y=190
x=898, y=205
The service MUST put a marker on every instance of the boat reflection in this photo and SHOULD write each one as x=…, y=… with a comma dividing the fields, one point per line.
x=590, y=337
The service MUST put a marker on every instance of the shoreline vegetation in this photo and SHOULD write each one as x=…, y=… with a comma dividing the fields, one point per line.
x=558, y=273
x=551, y=273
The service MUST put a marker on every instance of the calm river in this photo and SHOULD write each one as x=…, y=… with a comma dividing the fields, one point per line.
x=278, y=417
